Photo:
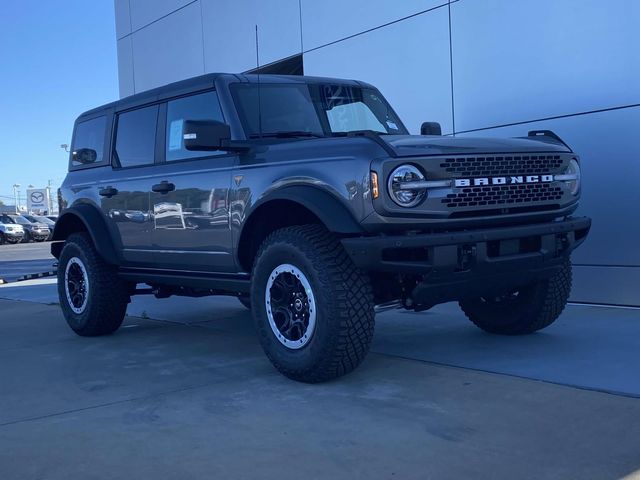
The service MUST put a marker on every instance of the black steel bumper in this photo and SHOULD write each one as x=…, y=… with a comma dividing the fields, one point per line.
x=468, y=263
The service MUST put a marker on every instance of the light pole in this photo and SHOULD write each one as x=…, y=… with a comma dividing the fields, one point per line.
x=16, y=186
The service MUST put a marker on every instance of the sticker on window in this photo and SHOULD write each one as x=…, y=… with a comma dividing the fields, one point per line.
x=392, y=125
x=175, y=135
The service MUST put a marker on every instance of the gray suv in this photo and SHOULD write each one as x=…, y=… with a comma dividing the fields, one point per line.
x=308, y=199
x=10, y=231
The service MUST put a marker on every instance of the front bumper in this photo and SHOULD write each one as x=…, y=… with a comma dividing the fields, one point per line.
x=14, y=236
x=472, y=262
x=40, y=234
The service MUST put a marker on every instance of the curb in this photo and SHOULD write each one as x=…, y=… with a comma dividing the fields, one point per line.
x=29, y=276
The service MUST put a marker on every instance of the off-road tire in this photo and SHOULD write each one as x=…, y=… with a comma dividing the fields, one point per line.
x=245, y=301
x=535, y=306
x=343, y=301
x=108, y=295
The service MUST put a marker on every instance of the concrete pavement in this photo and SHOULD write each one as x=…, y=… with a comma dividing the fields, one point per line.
x=192, y=396
x=588, y=347
x=184, y=391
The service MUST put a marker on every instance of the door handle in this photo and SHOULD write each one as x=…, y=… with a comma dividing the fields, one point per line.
x=163, y=187
x=108, y=191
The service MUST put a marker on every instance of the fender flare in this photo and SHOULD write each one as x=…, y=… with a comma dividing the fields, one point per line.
x=330, y=210
x=85, y=217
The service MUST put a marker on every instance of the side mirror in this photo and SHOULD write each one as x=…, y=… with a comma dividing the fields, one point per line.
x=430, y=128
x=84, y=155
x=205, y=135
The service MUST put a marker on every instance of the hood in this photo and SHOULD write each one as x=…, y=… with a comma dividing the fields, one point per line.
x=421, y=145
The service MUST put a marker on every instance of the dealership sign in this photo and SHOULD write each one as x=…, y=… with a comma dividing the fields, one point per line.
x=37, y=199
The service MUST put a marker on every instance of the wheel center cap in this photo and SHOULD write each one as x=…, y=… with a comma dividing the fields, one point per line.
x=298, y=305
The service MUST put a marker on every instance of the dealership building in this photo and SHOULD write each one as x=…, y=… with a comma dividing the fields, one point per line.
x=479, y=67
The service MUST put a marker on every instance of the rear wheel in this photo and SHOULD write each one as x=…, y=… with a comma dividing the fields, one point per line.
x=525, y=310
x=93, y=298
x=313, y=309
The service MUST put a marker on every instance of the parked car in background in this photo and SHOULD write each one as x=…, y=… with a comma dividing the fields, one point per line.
x=44, y=220
x=53, y=218
x=10, y=231
x=33, y=231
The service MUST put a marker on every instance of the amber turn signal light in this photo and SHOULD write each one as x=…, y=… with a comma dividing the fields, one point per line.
x=374, y=185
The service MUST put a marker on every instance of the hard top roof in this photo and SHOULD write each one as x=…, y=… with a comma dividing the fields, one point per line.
x=206, y=81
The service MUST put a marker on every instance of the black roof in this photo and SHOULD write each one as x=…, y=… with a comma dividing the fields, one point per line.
x=203, y=82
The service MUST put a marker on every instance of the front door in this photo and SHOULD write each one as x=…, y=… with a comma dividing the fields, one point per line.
x=190, y=197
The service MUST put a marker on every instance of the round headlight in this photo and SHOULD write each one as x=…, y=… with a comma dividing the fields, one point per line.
x=401, y=191
x=574, y=170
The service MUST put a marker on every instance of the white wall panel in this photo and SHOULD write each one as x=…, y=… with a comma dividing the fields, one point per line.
x=610, y=156
x=229, y=32
x=414, y=80
x=123, y=19
x=125, y=67
x=168, y=50
x=517, y=60
x=329, y=20
x=143, y=12
x=614, y=285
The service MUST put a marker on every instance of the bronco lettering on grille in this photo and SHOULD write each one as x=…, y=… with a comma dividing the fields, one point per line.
x=481, y=181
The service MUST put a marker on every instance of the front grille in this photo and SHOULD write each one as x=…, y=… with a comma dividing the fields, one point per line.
x=502, y=165
x=503, y=194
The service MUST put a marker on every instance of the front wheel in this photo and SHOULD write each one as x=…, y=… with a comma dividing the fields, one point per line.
x=92, y=296
x=525, y=310
x=313, y=309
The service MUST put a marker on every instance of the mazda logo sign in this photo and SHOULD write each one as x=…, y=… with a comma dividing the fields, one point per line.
x=37, y=197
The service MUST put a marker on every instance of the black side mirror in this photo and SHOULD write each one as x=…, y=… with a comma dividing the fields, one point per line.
x=430, y=128
x=205, y=135
x=84, y=155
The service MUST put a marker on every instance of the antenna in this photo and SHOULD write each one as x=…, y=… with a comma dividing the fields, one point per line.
x=258, y=72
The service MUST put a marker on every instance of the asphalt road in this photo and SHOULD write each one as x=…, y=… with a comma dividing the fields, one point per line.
x=25, y=258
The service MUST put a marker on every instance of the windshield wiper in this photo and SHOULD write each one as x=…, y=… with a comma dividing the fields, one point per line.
x=286, y=134
x=357, y=133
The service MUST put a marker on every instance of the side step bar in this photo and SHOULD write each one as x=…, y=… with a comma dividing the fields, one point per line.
x=233, y=283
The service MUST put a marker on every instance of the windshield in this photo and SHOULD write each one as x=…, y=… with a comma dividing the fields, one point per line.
x=21, y=220
x=46, y=220
x=313, y=110
x=6, y=219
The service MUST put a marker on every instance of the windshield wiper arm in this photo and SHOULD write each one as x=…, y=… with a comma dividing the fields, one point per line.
x=356, y=133
x=286, y=134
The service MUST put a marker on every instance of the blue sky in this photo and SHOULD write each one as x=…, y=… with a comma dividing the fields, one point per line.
x=57, y=59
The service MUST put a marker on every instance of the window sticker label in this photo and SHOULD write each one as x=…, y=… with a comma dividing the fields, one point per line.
x=392, y=125
x=175, y=135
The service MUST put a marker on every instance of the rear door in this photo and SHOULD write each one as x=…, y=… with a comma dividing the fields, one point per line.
x=125, y=190
x=190, y=204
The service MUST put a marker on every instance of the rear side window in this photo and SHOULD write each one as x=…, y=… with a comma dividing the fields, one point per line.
x=204, y=106
x=136, y=137
x=88, y=141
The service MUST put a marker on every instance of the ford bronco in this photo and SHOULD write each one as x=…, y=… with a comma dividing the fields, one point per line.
x=308, y=199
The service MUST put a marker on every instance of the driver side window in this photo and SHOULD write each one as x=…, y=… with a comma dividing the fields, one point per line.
x=204, y=106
